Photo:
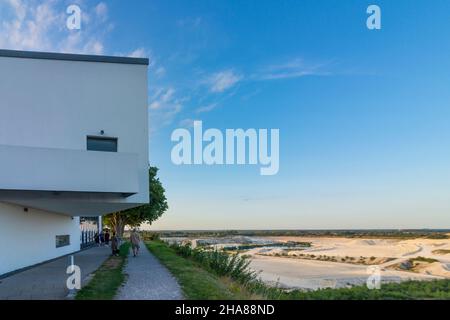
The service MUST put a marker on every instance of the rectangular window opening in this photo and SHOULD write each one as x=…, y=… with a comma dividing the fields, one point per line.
x=104, y=144
x=62, y=241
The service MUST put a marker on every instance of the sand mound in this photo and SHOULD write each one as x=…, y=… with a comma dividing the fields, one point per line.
x=373, y=242
x=364, y=242
x=435, y=269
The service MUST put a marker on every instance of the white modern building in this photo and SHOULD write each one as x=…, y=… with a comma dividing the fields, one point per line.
x=73, y=143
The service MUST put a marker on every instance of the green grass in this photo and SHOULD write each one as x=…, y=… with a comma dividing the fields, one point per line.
x=408, y=290
x=107, y=279
x=196, y=282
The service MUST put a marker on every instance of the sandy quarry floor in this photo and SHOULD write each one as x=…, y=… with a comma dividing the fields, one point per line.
x=311, y=274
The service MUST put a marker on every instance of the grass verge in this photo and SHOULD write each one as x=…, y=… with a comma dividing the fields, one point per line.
x=107, y=279
x=407, y=290
x=196, y=282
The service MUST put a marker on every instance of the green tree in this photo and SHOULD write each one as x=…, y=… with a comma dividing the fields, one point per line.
x=143, y=214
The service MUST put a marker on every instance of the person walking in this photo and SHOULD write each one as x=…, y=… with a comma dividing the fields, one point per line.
x=135, y=242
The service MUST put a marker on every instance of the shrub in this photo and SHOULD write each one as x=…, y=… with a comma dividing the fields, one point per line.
x=423, y=259
x=152, y=236
x=219, y=262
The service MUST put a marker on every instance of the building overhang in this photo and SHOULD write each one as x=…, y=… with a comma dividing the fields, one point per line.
x=68, y=203
x=72, y=182
x=63, y=170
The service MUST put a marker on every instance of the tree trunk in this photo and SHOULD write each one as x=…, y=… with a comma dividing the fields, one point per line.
x=117, y=223
x=120, y=227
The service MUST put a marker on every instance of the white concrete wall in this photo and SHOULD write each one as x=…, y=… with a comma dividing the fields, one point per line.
x=28, y=238
x=57, y=104
x=48, y=169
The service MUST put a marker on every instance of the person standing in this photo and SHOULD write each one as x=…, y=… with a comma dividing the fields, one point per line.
x=107, y=237
x=102, y=238
x=114, y=245
x=135, y=242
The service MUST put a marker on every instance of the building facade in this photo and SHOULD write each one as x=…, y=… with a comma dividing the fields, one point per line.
x=73, y=143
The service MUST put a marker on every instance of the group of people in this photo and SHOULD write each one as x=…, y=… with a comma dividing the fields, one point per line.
x=105, y=238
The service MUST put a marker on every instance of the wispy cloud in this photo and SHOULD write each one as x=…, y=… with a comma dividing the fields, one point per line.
x=190, y=22
x=41, y=26
x=207, y=108
x=187, y=123
x=154, y=65
x=160, y=71
x=291, y=69
x=139, y=53
x=101, y=11
x=221, y=86
x=223, y=80
x=164, y=106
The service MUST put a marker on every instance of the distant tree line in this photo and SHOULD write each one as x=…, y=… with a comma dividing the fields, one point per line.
x=398, y=234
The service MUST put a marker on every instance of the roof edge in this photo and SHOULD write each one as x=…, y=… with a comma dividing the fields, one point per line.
x=71, y=57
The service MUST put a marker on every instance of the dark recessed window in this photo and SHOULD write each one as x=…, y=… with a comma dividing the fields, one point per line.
x=102, y=144
x=62, y=241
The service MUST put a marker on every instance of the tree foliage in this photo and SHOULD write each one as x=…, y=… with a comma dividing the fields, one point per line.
x=144, y=214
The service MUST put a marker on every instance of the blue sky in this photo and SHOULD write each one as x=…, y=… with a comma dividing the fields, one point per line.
x=363, y=114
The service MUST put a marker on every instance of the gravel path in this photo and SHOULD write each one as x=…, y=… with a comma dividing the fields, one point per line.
x=148, y=279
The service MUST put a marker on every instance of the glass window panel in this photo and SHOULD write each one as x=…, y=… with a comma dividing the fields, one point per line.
x=102, y=144
x=62, y=241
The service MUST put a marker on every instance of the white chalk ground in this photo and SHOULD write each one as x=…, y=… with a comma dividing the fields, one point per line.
x=309, y=274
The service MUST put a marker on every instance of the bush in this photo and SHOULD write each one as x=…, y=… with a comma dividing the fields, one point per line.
x=150, y=236
x=422, y=259
x=219, y=262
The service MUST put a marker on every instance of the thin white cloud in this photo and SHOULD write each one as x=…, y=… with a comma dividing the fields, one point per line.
x=187, y=123
x=154, y=67
x=291, y=69
x=207, y=108
x=164, y=106
x=160, y=71
x=223, y=80
x=40, y=25
x=139, y=53
x=190, y=22
x=101, y=11
x=168, y=95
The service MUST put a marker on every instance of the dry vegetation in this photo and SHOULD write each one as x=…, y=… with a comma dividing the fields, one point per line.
x=347, y=259
x=442, y=251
